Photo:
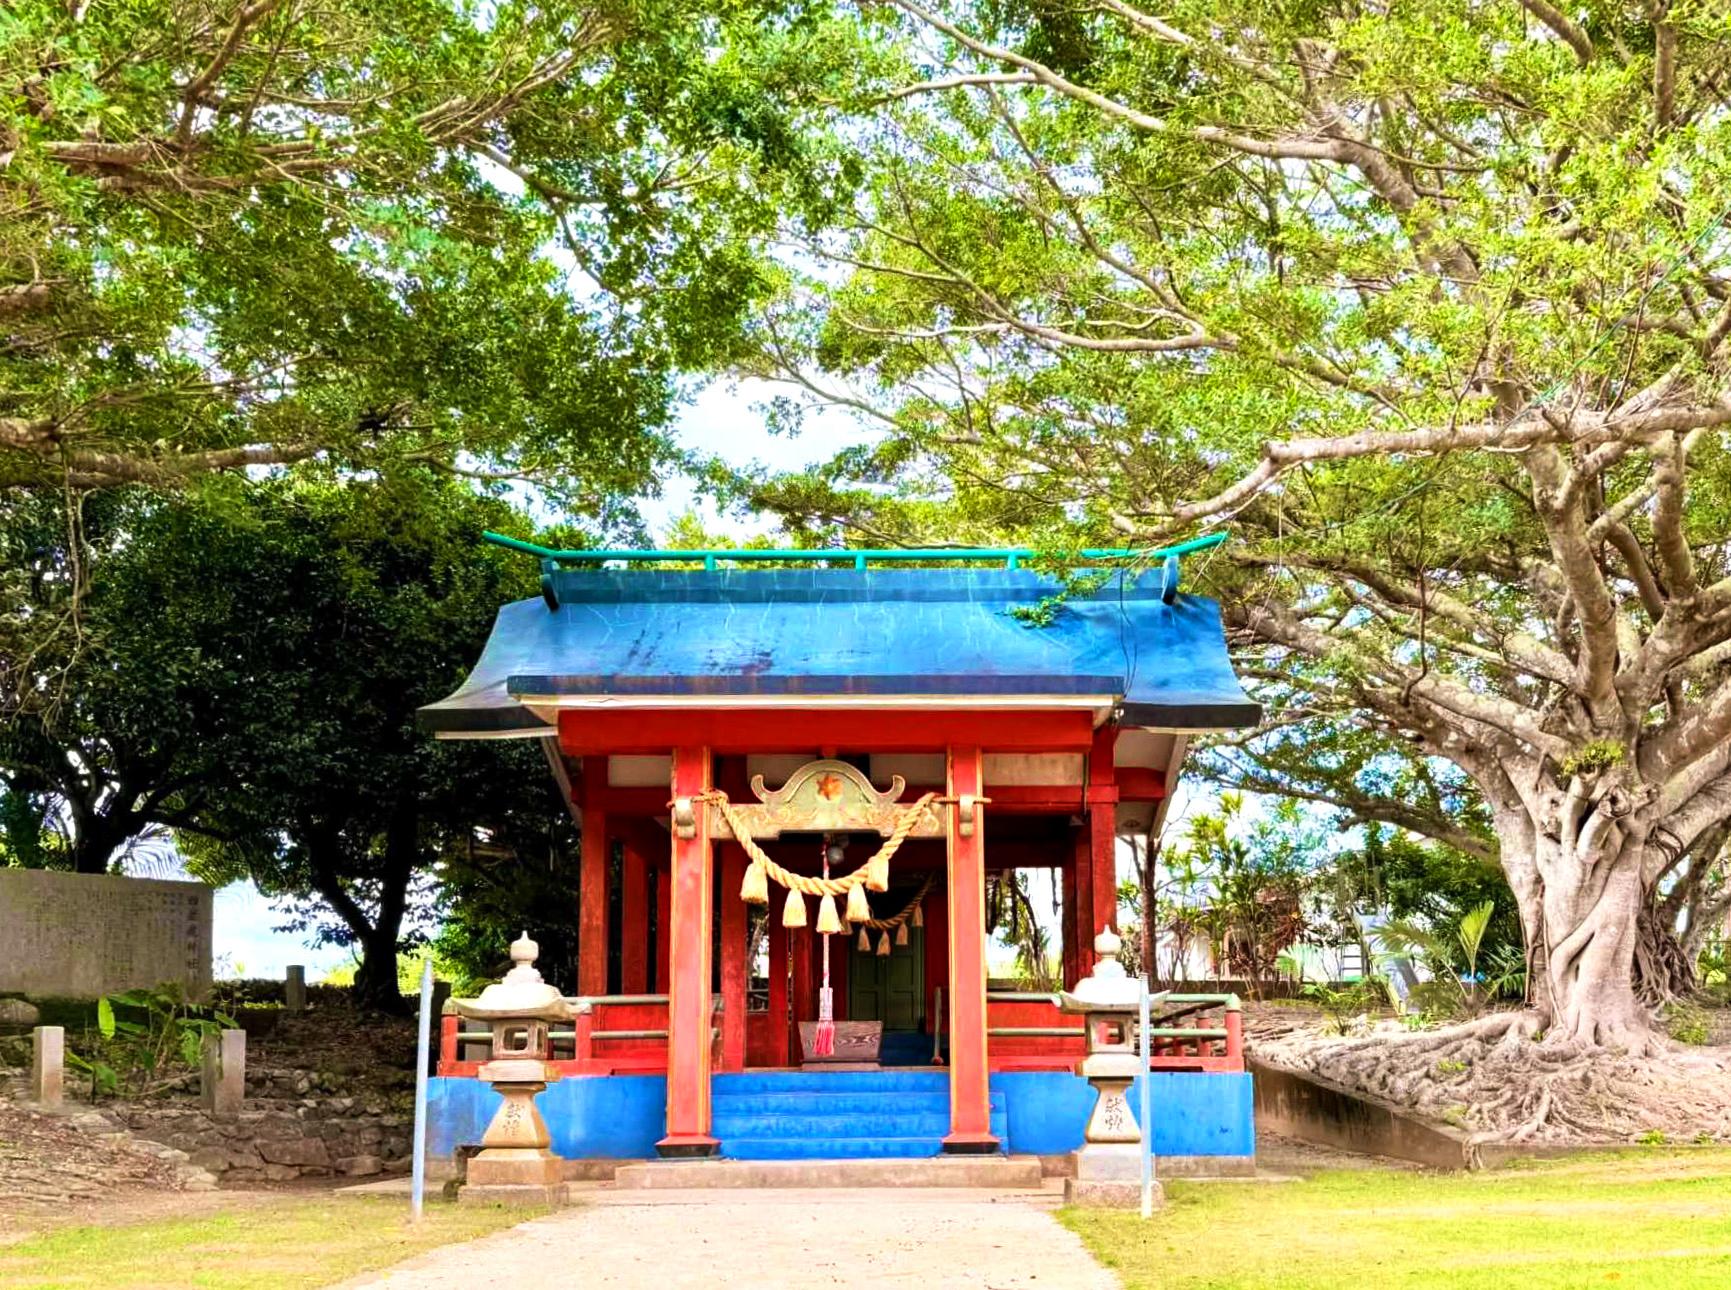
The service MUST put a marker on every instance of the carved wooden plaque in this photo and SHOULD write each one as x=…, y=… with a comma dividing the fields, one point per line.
x=825, y=797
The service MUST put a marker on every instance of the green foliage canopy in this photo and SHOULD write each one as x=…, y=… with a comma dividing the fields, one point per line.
x=1430, y=302
x=484, y=238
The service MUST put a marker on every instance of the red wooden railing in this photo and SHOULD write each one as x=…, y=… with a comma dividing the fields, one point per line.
x=1028, y=1032
x=621, y=1034
x=627, y=1035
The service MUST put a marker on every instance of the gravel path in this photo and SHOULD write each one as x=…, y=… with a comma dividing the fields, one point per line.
x=771, y=1240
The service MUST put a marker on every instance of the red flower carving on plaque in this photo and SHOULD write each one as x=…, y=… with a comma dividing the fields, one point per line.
x=829, y=787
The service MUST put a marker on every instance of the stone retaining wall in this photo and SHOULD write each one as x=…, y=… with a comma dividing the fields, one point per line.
x=1307, y=1107
x=278, y=1139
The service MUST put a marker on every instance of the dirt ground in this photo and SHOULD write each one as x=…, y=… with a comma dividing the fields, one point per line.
x=774, y=1240
x=124, y=1206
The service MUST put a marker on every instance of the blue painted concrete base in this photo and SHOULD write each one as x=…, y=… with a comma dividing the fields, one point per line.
x=841, y=1114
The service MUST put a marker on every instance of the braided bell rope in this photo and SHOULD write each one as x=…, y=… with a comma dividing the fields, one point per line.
x=890, y=924
x=799, y=882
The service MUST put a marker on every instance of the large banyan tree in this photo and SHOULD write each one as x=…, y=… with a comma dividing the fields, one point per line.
x=1427, y=302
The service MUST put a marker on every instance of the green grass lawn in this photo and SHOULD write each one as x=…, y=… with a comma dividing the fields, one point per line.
x=1652, y=1217
x=299, y=1242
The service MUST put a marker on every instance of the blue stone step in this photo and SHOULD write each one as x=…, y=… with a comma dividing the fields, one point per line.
x=878, y=1125
x=830, y=1103
x=836, y=1115
x=840, y=1140
x=831, y=1148
x=936, y=1081
x=838, y=1103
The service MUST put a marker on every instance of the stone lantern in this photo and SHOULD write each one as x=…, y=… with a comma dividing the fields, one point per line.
x=515, y=1162
x=1109, y=1165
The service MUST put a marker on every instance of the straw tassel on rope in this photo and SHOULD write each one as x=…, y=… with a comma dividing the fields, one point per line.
x=884, y=943
x=793, y=912
x=827, y=919
x=755, y=889
x=865, y=941
x=859, y=909
x=877, y=871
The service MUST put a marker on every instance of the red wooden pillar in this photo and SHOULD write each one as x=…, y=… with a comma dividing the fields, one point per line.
x=1067, y=921
x=733, y=964
x=970, y=1099
x=1102, y=909
x=804, y=1005
x=689, y=938
x=937, y=920
x=663, y=927
x=592, y=906
x=1080, y=906
x=778, y=1015
x=634, y=919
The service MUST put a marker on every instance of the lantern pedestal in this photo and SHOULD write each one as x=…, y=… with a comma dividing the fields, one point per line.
x=1109, y=1165
x=516, y=1164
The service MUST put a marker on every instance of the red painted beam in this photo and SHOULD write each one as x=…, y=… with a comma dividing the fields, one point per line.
x=639, y=803
x=591, y=732
x=1011, y=799
x=1140, y=783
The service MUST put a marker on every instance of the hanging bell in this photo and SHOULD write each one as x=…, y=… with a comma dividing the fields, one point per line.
x=865, y=941
x=884, y=943
x=919, y=918
x=827, y=919
x=878, y=872
x=901, y=933
x=755, y=889
x=859, y=909
x=793, y=912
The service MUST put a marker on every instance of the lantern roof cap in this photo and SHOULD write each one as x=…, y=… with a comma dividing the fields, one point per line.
x=522, y=995
x=1108, y=988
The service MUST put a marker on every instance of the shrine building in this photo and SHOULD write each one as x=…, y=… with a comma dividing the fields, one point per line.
x=798, y=785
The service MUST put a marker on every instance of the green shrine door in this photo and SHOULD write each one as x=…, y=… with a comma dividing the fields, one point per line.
x=888, y=987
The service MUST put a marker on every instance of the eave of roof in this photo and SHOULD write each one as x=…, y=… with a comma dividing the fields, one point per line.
x=839, y=635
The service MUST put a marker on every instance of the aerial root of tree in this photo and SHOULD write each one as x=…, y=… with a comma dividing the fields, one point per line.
x=1504, y=1079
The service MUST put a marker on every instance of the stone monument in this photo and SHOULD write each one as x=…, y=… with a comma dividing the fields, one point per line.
x=516, y=1163
x=82, y=935
x=1109, y=1165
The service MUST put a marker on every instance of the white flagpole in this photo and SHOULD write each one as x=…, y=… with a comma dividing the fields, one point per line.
x=1144, y=1114
x=418, y=1174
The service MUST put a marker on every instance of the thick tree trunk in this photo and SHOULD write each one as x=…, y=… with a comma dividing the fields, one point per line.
x=379, y=934
x=97, y=837
x=1664, y=964
x=1588, y=907
x=376, y=985
x=376, y=982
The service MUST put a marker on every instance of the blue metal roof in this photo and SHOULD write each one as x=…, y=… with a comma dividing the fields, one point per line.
x=824, y=633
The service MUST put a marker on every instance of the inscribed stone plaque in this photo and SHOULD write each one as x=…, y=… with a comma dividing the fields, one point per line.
x=81, y=935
